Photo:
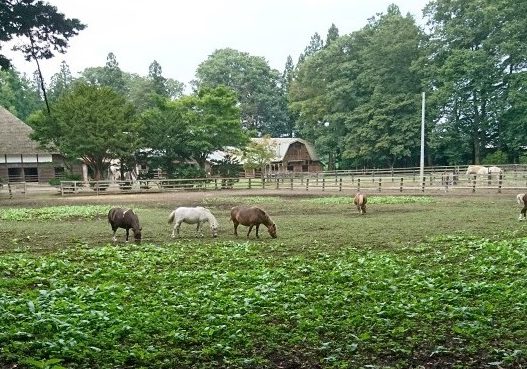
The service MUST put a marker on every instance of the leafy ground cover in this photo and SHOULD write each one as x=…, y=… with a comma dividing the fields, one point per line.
x=437, y=283
x=53, y=212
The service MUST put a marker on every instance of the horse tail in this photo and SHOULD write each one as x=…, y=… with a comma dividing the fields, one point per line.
x=171, y=217
x=519, y=198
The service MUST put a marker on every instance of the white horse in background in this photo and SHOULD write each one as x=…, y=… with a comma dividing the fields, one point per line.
x=521, y=198
x=193, y=215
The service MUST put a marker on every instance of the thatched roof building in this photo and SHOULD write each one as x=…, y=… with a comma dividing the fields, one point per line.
x=21, y=159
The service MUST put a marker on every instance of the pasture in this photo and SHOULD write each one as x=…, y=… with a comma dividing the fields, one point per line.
x=417, y=282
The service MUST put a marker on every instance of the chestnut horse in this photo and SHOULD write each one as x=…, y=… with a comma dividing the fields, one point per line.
x=121, y=218
x=252, y=216
x=522, y=200
x=360, y=201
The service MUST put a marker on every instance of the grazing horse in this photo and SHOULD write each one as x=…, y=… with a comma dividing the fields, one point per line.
x=197, y=215
x=360, y=201
x=252, y=216
x=522, y=201
x=121, y=218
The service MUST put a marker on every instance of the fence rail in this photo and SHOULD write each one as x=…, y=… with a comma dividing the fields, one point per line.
x=445, y=182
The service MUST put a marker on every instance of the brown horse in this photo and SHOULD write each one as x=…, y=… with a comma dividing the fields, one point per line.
x=252, y=216
x=121, y=218
x=522, y=200
x=360, y=201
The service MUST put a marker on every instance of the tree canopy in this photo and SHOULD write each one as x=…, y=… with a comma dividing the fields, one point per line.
x=91, y=123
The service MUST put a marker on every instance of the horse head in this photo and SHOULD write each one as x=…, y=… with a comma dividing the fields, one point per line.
x=272, y=230
x=137, y=235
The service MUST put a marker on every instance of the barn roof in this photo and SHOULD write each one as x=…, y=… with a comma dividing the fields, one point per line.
x=14, y=136
x=281, y=145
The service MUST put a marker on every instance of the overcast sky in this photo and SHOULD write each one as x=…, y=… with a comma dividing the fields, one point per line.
x=182, y=34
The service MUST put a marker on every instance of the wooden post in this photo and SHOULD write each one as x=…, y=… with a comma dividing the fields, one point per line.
x=358, y=184
x=250, y=184
x=474, y=184
x=277, y=183
x=423, y=184
x=215, y=183
x=263, y=183
x=340, y=184
x=380, y=181
x=307, y=184
x=500, y=182
x=489, y=179
x=292, y=179
x=323, y=183
x=401, y=185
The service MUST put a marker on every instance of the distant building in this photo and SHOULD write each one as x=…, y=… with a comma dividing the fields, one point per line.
x=292, y=155
x=21, y=159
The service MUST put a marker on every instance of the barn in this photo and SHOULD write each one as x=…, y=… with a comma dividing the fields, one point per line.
x=292, y=155
x=21, y=159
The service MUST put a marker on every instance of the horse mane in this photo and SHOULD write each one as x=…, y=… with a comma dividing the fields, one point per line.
x=267, y=219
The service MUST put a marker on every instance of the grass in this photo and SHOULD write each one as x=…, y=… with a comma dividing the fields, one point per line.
x=417, y=282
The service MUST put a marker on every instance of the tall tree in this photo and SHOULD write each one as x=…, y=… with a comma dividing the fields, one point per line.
x=60, y=81
x=333, y=34
x=110, y=75
x=358, y=98
x=477, y=57
x=256, y=85
x=18, y=94
x=45, y=30
x=89, y=122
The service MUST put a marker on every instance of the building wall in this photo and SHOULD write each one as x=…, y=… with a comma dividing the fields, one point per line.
x=34, y=171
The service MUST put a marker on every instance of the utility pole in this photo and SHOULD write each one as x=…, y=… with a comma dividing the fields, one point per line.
x=422, y=164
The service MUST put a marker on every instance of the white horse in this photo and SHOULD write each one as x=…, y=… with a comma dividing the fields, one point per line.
x=197, y=215
x=521, y=198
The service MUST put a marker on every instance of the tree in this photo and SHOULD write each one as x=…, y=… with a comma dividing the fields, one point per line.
x=45, y=29
x=257, y=87
x=358, y=98
x=110, y=75
x=215, y=122
x=258, y=155
x=61, y=81
x=475, y=67
x=333, y=34
x=193, y=127
x=91, y=123
x=18, y=94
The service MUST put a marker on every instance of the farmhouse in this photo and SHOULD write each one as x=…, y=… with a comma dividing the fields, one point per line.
x=21, y=159
x=292, y=155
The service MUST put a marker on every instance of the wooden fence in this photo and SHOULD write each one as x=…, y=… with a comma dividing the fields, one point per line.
x=438, y=182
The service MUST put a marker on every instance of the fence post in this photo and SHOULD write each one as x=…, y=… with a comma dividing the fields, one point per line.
x=401, y=185
x=250, y=184
x=307, y=184
x=358, y=184
x=292, y=179
x=263, y=183
x=277, y=183
x=316, y=180
x=500, y=181
x=489, y=179
x=340, y=184
x=323, y=183
x=215, y=183
x=423, y=184
x=380, y=181
x=474, y=184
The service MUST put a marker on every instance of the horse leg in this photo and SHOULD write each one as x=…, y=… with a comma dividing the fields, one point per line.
x=127, y=232
x=175, y=231
x=257, y=229
x=114, y=229
x=523, y=213
x=250, y=229
x=198, y=230
x=236, y=228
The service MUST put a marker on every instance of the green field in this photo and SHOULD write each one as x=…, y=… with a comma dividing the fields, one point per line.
x=417, y=282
